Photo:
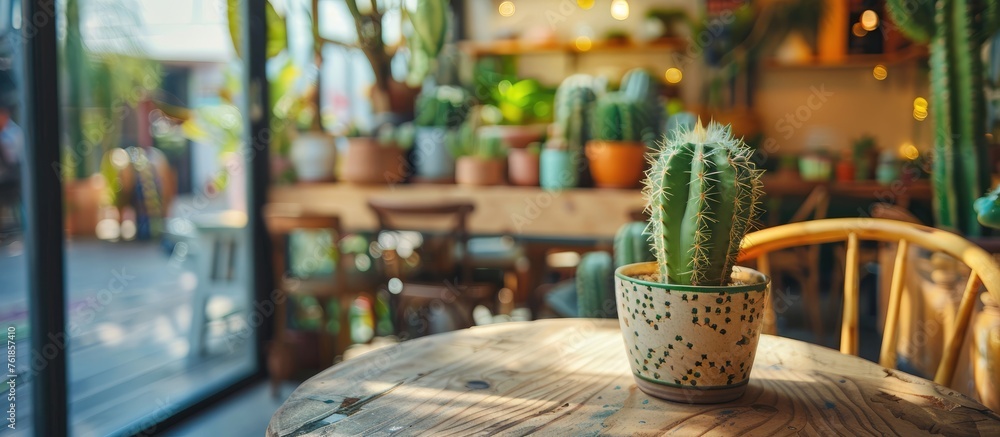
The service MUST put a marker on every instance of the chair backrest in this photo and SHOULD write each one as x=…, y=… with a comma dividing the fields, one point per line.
x=448, y=217
x=281, y=219
x=985, y=272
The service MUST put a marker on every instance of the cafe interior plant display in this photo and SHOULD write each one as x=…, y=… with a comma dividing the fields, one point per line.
x=479, y=159
x=378, y=159
x=616, y=151
x=523, y=165
x=691, y=319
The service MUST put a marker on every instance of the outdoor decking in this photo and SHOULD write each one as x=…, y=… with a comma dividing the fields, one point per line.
x=129, y=308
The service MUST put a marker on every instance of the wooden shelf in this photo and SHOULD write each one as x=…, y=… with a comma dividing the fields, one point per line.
x=516, y=48
x=855, y=61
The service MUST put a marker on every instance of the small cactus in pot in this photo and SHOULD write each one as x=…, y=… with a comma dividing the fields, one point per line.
x=616, y=152
x=691, y=319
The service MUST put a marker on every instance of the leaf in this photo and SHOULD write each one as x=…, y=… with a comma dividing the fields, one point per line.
x=277, y=33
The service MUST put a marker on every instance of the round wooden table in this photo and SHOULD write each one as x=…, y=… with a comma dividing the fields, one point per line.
x=570, y=376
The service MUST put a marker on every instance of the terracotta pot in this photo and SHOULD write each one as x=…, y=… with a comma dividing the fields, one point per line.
x=522, y=167
x=687, y=343
x=472, y=170
x=83, y=202
x=616, y=164
x=368, y=162
x=516, y=137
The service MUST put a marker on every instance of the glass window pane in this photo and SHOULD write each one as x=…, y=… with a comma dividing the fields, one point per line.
x=14, y=316
x=157, y=252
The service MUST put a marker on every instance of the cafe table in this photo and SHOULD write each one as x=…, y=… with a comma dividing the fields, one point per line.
x=570, y=377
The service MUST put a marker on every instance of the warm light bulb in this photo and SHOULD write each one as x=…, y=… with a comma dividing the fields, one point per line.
x=869, y=20
x=585, y=4
x=619, y=9
x=880, y=72
x=919, y=114
x=673, y=75
x=858, y=30
x=909, y=151
x=920, y=103
x=583, y=43
x=507, y=8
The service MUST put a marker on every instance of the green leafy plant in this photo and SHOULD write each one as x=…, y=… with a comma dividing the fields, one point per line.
x=619, y=118
x=703, y=196
x=443, y=106
x=955, y=31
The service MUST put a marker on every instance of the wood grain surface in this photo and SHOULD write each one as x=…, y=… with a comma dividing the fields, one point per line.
x=570, y=377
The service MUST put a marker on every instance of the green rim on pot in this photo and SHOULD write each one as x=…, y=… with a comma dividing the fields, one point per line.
x=647, y=268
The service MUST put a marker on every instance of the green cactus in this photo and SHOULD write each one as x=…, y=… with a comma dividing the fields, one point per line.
x=618, y=118
x=632, y=244
x=639, y=85
x=574, y=108
x=595, y=286
x=703, y=196
x=955, y=31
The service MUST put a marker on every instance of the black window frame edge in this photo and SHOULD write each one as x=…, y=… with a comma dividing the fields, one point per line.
x=43, y=200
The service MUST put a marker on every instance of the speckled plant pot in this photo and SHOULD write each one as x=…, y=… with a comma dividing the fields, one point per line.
x=689, y=343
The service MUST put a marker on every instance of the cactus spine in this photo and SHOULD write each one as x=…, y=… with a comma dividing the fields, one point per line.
x=618, y=118
x=702, y=194
x=955, y=31
x=632, y=244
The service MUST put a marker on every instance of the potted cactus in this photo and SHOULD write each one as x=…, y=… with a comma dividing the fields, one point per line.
x=439, y=111
x=690, y=319
x=560, y=163
x=480, y=159
x=616, y=154
x=379, y=159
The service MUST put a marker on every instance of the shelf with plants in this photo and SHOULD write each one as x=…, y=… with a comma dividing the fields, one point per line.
x=516, y=48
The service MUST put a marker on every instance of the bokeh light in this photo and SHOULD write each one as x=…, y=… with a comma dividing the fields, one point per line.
x=506, y=8
x=583, y=43
x=869, y=20
x=673, y=75
x=585, y=4
x=619, y=9
x=880, y=72
x=909, y=151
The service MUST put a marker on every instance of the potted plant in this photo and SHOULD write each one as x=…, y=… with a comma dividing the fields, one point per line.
x=439, y=111
x=560, y=163
x=690, y=319
x=522, y=165
x=480, y=159
x=865, y=156
x=378, y=159
x=616, y=153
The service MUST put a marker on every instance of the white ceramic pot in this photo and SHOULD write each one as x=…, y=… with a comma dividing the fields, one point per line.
x=688, y=343
x=314, y=156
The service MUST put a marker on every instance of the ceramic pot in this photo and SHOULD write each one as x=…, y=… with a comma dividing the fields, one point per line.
x=473, y=170
x=522, y=167
x=368, y=162
x=557, y=169
x=616, y=164
x=314, y=156
x=431, y=157
x=687, y=343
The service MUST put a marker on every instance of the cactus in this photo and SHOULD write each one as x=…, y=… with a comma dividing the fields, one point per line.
x=595, y=293
x=642, y=87
x=618, y=118
x=702, y=195
x=955, y=31
x=574, y=108
x=632, y=244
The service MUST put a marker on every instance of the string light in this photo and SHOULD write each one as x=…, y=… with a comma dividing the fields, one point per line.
x=506, y=8
x=673, y=75
x=880, y=72
x=619, y=9
x=869, y=20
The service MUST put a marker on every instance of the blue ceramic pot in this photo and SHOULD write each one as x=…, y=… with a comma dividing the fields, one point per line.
x=557, y=169
x=431, y=157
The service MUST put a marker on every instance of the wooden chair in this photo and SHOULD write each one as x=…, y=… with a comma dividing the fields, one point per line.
x=445, y=271
x=281, y=221
x=985, y=272
x=802, y=263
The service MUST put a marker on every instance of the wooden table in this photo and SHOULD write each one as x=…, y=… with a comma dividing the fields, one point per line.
x=570, y=377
